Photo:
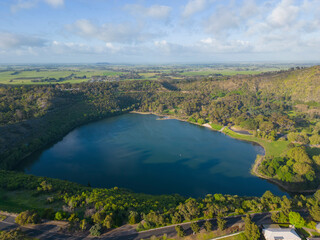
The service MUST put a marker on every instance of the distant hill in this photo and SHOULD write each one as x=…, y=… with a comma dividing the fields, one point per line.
x=299, y=84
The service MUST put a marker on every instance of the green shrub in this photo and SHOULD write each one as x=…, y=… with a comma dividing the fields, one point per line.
x=28, y=217
x=95, y=230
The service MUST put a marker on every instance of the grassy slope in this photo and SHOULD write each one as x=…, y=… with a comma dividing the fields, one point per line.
x=18, y=201
x=276, y=148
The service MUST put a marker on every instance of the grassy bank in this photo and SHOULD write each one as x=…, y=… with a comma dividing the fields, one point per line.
x=275, y=148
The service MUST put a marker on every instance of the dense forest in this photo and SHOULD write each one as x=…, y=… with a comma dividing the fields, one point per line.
x=274, y=107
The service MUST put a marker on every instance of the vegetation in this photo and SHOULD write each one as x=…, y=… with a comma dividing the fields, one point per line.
x=95, y=230
x=48, y=74
x=221, y=222
x=251, y=230
x=296, y=220
x=195, y=227
x=180, y=231
x=15, y=234
x=28, y=217
x=285, y=120
x=295, y=166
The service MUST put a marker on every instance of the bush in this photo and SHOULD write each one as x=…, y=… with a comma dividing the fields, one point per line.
x=60, y=215
x=28, y=217
x=201, y=121
x=15, y=234
x=95, y=230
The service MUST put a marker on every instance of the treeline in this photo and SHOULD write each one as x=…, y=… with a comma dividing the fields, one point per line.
x=102, y=209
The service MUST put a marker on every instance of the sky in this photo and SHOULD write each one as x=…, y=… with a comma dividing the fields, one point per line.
x=154, y=31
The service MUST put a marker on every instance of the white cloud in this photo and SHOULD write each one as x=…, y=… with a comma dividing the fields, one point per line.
x=193, y=6
x=55, y=3
x=284, y=14
x=23, y=4
x=61, y=48
x=113, y=48
x=249, y=9
x=159, y=12
x=221, y=21
x=222, y=46
x=109, y=32
x=28, y=4
x=11, y=40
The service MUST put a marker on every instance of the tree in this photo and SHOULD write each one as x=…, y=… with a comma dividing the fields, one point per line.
x=285, y=210
x=275, y=217
x=44, y=186
x=83, y=225
x=292, y=136
x=299, y=154
x=221, y=223
x=133, y=217
x=180, y=231
x=296, y=220
x=108, y=221
x=316, y=195
x=251, y=230
x=315, y=139
x=98, y=217
x=315, y=212
x=95, y=230
x=208, y=226
x=195, y=227
x=176, y=218
x=190, y=209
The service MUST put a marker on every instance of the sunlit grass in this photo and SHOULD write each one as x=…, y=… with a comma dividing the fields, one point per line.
x=272, y=148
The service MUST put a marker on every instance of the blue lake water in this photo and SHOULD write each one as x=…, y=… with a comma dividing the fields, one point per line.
x=145, y=154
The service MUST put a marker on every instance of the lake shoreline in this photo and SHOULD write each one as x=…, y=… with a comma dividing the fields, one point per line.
x=255, y=166
x=211, y=149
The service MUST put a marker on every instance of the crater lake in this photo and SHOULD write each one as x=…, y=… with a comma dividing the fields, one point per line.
x=149, y=155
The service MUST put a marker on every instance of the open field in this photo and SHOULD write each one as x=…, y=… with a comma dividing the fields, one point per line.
x=52, y=74
x=222, y=72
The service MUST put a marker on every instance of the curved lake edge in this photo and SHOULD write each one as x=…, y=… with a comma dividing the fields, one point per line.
x=153, y=122
x=289, y=188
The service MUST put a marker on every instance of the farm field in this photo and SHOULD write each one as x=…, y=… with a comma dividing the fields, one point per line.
x=49, y=74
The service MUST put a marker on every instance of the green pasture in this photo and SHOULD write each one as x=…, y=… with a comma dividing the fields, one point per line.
x=26, y=77
x=272, y=148
x=18, y=201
